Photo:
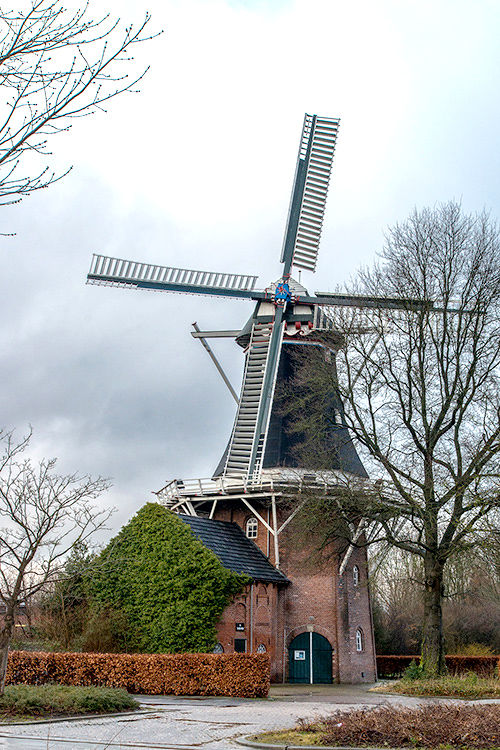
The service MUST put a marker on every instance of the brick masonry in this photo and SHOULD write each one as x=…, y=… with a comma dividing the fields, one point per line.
x=317, y=599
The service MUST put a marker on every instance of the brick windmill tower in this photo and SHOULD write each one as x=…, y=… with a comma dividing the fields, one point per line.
x=310, y=613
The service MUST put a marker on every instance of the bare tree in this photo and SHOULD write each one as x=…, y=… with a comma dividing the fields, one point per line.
x=471, y=605
x=55, y=65
x=396, y=601
x=421, y=393
x=44, y=515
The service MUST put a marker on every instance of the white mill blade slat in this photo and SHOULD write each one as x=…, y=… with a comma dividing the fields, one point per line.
x=243, y=456
x=119, y=272
x=312, y=210
x=307, y=206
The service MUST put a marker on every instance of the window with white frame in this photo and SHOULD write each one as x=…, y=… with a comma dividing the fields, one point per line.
x=252, y=527
x=355, y=575
x=359, y=640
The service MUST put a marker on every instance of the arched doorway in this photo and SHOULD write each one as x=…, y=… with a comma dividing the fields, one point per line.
x=310, y=659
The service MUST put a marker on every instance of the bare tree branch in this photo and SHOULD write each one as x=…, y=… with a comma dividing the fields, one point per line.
x=55, y=65
x=44, y=516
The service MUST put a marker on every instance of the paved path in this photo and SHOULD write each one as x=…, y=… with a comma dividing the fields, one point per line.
x=199, y=723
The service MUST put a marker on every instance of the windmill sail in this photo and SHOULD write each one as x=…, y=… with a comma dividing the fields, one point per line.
x=248, y=438
x=118, y=272
x=307, y=205
x=285, y=312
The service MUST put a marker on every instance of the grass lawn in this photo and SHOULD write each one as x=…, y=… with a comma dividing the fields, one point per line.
x=290, y=737
x=468, y=686
x=49, y=701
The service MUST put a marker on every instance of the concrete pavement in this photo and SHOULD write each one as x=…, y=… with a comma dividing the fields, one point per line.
x=193, y=722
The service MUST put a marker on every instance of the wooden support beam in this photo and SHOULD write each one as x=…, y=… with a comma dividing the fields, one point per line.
x=275, y=524
x=258, y=515
x=292, y=515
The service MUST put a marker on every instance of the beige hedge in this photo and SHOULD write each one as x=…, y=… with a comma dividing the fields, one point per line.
x=245, y=675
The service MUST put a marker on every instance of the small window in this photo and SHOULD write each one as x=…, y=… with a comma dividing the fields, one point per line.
x=355, y=575
x=240, y=645
x=359, y=640
x=261, y=649
x=252, y=527
x=218, y=649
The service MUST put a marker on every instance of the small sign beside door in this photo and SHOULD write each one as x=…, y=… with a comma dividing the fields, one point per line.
x=299, y=655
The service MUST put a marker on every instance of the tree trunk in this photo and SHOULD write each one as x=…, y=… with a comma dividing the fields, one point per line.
x=433, y=657
x=5, y=638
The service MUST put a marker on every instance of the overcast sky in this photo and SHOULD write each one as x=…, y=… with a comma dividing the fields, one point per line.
x=195, y=171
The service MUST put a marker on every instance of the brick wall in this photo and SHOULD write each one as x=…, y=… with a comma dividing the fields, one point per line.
x=317, y=599
x=331, y=605
x=354, y=614
x=256, y=610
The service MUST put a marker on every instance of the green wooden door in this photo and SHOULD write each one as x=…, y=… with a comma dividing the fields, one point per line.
x=299, y=658
x=322, y=659
x=310, y=659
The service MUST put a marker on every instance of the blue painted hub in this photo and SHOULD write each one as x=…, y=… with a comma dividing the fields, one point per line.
x=282, y=293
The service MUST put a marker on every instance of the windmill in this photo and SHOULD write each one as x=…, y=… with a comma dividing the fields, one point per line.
x=285, y=314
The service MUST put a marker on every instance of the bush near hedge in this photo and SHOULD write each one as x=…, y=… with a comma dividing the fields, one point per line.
x=245, y=675
x=27, y=701
x=394, y=666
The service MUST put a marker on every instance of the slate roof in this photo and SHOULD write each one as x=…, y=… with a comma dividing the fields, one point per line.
x=235, y=551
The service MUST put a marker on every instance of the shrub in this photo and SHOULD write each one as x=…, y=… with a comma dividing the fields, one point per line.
x=413, y=671
x=429, y=726
x=394, y=666
x=483, y=666
x=63, y=699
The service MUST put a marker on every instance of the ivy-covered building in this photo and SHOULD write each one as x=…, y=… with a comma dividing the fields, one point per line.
x=309, y=610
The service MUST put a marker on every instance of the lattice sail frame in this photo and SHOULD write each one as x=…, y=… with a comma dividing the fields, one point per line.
x=119, y=272
x=309, y=193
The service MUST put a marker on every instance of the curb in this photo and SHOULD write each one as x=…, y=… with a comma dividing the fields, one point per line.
x=72, y=743
x=249, y=742
x=78, y=717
